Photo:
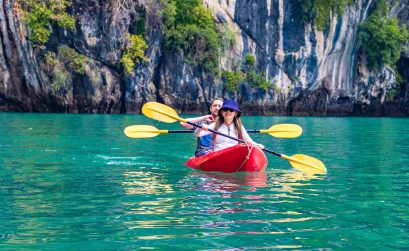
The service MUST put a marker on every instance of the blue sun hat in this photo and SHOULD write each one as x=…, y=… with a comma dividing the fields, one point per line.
x=230, y=104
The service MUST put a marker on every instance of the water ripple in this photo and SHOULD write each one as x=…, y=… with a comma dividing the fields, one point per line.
x=66, y=186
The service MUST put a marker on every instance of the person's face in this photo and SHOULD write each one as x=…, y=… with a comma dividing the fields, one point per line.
x=228, y=114
x=214, y=108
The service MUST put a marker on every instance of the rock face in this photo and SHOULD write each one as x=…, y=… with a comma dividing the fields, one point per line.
x=314, y=73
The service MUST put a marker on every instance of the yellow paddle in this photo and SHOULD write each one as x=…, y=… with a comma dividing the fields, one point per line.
x=166, y=114
x=278, y=131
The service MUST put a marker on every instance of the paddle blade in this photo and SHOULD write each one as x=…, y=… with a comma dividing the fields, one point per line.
x=161, y=112
x=142, y=131
x=284, y=131
x=306, y=163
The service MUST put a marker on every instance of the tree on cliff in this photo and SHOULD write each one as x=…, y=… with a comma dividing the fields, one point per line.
x=39, y=16
x=189, y=28
x=382, y=39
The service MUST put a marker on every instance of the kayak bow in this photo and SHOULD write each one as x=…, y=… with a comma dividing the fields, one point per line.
x=238, y=158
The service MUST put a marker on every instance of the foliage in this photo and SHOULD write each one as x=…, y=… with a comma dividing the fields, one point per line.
x=59, y=80
x=56, y=69
x=233, y=80
x=40, y=15
x=73, y=59
x=258, y=80
x=128, y=64
x=275, y=87
x=250, y=61
x=399, y=79
x=381, y=9
x=169, y=13
x=189, y=28
x=228, y=36
x=135, y=53
x=51, y=61
x=383, y=40
x=61, y=65
x=390, y=96
x=320, y=10
x=254, y=79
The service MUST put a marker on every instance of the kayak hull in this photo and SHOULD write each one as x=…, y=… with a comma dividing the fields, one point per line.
x=231, y=159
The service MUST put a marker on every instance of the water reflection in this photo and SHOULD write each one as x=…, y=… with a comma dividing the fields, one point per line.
x=145, y=183
x=230, y=182
x=291, y=185
x=294, y=178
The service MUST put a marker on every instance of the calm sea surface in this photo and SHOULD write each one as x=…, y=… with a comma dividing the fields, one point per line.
x=76, y=182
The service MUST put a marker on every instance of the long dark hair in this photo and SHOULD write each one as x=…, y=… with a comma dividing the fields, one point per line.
x=237, y=124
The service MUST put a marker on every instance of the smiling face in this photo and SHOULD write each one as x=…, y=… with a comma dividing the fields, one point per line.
x=228, y=114
x=214, y=108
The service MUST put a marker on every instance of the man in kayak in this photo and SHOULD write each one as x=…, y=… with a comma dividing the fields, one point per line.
x=229, y=123
x=204, y=144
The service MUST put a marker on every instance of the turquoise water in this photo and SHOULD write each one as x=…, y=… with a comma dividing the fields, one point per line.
x=76, y=182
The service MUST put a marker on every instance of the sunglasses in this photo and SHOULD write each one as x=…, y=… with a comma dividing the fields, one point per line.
x=228, y=109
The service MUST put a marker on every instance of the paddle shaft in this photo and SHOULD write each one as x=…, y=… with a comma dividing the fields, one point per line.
x=214, y=131
x=180, y=131
x=190, y=131
x=233, y=138
x=176, y=117
x=272, y=152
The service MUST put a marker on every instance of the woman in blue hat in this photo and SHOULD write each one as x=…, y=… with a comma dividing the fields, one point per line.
x=227, y=122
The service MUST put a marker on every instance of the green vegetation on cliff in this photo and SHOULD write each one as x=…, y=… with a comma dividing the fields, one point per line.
x=382, y=39
x=247, y=75
x=41, y=14
x=228, y=37
x=62, y=65
x=233, y=80
x=189, y=29
x=75, y=61
x=134, y=53
x=320, y=11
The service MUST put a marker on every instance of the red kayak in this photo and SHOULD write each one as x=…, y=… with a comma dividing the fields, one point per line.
x=238, y=158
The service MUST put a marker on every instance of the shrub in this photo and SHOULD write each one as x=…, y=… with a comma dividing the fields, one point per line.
x=60, y=66
x=228, y=36
x=258, y=80
x=250, y=61
x=189, y=28
x=320, y=11
x=74, y=60
x=56, y=70
x=135, y=53
x=382, y=40
x=390, y=96
x=233, y=80
x=40, y=14
x=59, y=80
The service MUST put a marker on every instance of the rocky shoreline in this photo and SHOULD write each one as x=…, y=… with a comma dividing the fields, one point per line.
x=312, y=72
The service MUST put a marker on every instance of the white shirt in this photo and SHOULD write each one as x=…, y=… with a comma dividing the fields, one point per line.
x=222, y=142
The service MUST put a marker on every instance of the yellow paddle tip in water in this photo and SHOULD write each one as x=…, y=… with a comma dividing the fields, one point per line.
x=142, y=131
x=306, y=163
x=284, y=131
x=160, y=112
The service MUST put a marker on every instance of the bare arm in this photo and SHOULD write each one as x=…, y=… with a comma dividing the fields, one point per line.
x=246, y=137
x=207, y=118
x=203, y=130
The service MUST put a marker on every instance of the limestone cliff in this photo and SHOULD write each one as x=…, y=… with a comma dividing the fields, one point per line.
x=314, y=72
